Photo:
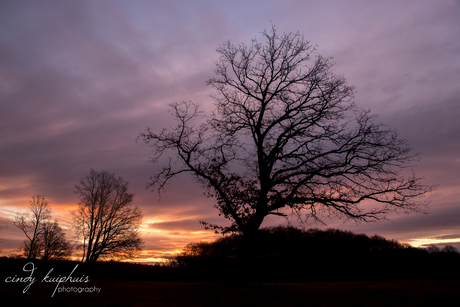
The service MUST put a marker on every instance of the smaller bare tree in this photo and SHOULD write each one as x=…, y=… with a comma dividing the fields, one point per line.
x=55, y=245
x=31, y=224
x=432, y=249
x=1, y=238
x=450, y=249
x=106, y=220
x=45, y=239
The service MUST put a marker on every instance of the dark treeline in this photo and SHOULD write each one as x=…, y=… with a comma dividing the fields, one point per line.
x=274, y=255
x=290, y=254
x=100, y=270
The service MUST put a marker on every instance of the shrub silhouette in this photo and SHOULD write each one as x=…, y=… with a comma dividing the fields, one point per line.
x=287, y=253
x=290, y=242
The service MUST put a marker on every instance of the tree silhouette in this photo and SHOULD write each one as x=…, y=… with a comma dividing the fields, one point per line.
x=45, y=239
x=106, y=220
x=55, y=245
x=31, y=223
x=450, y=249
x=286, y=134
x=433, y=249
x=1, y=238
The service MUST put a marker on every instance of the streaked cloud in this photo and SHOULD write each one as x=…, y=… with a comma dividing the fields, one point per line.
x=80, y=80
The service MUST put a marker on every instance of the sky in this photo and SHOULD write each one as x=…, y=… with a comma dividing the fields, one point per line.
x=79, y=80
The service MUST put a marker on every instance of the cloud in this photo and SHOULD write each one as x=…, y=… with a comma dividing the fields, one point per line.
x=79, y=81
x=77, y=96
x=182, y=225
x=449, y=236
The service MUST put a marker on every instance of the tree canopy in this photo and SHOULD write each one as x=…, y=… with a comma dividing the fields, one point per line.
x=286, y=135
x=45, y=238
x=106, y=220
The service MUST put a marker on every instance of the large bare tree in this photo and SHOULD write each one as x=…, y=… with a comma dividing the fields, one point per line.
x=106, y=220
x=286, y=134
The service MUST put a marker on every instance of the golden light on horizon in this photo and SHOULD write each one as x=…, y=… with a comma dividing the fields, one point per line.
x=423, y=242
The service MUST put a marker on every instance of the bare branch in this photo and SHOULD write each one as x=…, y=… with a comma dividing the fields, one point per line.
x=106, y=220
x=285, y=133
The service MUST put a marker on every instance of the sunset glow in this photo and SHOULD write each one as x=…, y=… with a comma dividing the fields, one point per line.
x=79, y=80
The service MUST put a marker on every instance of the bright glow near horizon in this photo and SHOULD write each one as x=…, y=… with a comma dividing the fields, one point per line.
x=80, y=80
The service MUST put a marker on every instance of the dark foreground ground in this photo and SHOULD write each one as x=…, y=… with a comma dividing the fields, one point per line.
x=121, y=284
x=154, y=293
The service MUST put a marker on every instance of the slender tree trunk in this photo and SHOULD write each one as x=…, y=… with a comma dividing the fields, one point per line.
x=89, y=250
x=33, y=241
x=84, y=249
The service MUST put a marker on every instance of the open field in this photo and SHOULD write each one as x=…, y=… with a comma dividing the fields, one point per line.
x=147, y=293
x=126, y=284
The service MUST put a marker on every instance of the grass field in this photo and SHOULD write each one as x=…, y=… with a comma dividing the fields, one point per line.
x=152, y=293
x=430, y=280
